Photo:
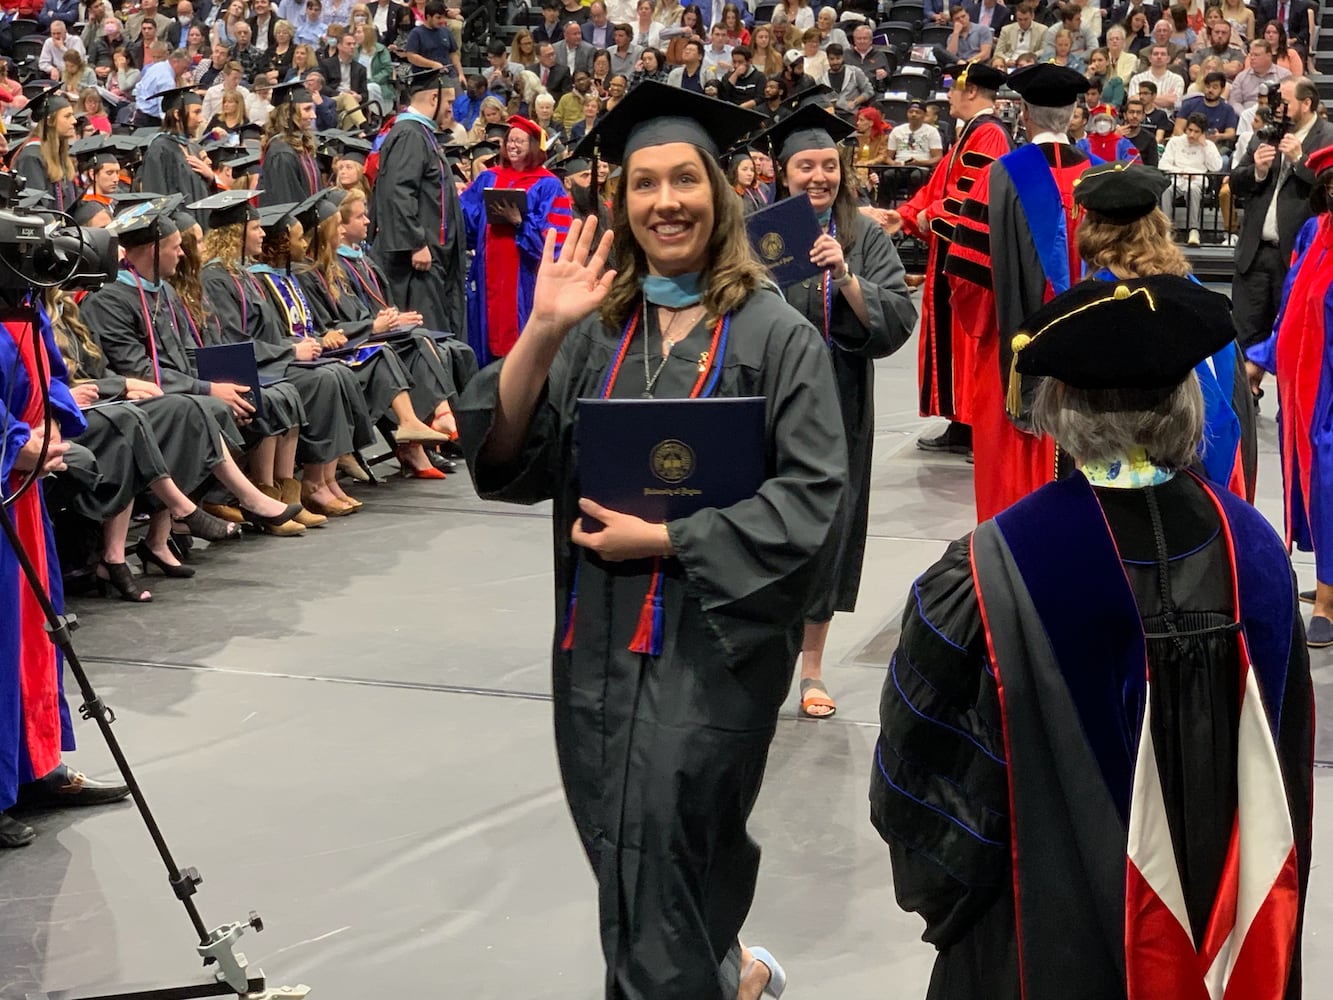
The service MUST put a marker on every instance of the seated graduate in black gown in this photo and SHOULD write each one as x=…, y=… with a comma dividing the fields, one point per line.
x=374, y=369
x=142, y=349
x=676, y=642
x=240, y=311
x=1095, y=757
x=347, y=290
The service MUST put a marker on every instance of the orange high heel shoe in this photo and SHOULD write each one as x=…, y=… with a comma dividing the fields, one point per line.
x=407, y=471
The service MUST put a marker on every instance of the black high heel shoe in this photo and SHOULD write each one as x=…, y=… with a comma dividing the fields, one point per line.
x=119, y=578
x=145, y=555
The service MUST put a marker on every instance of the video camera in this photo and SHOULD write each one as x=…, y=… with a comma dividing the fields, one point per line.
x=1277, y=124
x=36, y=250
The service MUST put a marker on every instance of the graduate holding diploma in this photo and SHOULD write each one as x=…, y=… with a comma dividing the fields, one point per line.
x=858, y=300
x=675, y=643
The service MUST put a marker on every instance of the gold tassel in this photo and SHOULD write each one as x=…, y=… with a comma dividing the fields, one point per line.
x=1013, y=401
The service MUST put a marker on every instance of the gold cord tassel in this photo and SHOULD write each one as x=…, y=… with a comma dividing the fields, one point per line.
x=1013, y=401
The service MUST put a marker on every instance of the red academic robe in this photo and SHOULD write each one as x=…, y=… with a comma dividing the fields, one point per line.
x=945, y=362
x=1026, y=203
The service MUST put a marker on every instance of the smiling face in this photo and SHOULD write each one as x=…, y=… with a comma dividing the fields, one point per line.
x=669, y=202
x=818, y=173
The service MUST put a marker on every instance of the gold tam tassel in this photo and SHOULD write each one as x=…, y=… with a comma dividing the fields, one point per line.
x=1013, y=401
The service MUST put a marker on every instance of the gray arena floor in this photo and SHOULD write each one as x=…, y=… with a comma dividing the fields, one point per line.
x=350, y=733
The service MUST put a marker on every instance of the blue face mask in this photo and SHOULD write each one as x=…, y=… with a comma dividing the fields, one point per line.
x=675, y=292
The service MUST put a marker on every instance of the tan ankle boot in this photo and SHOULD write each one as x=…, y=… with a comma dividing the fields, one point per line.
x=290, y=490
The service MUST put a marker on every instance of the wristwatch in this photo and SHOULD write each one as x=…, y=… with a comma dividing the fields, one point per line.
x=845, y=280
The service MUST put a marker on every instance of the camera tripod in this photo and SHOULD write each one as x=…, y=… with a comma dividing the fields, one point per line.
x=233, y=975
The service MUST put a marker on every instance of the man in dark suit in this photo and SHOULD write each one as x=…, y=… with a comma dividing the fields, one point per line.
x=991, y=13
x=1276, y=184
x=343, y=73
x=598, y=31
x=554, y=76
x=572, y=52
x=1297, y=16
x=178, y=33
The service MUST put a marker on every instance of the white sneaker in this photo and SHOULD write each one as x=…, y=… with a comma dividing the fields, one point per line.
x=1193, y=238
x=1232, y=239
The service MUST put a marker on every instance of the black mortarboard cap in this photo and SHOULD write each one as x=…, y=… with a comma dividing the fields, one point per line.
x=277, y=217
x=33, y=198
x=653, y=114
x=178, y=97
x=426, y=79
x=809, y=128
x=227, y=208
x=95, y=150
x=242, y=165
x=498, y=131
x=1047, y=85
x=820, y=95
x=1140, y=334
x=978, y=74
x=295, y=93
x=1120, y=192
x=87, y=209
x=47, y=103
x=319, y=206
x=479, y=150
x=563, y=166
x=147, y=222
x=121, y=198
x=184, y=219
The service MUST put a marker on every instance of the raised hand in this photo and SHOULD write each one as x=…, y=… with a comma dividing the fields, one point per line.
x=573, y=286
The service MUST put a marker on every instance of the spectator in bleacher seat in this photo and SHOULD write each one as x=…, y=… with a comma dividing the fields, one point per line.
x=179, y=29
x=1284, y=55
x=343, y=72
x=337, y=12
x=569, y=108
x=1220, y=44
x=717, y=55
x=990, y=14
x=499, y=63
x=572, y=51
x=431, y=44
x=1138, y=31
x=647, y=31
x=325, y=104
x=1062, y=51
x=467, y=106
x=1082, y=40
x=552, y=74
x=124, y=76
x=851, y=88
x=863, y=54
x=1121, y=64
x=690, y=29
x=224, y=28
x=829, y=32
x=51, y=61
x=303, y=61
x=1212, y=64
x=1262, y=72
x=738, y=32
x=373, y=55
x=1143, y=139
x=651, y=66
x=1090, y=19
x=1159, y=122
x=937, y=11
x=551, y=28
x=624, y=53
x=814, y=60
x=1103, y=89
x=1183, y=34
x=543, y=113
x=601, y=71
x=915, y=144
x=597, y=29
x=1296, y=16
x=263, y=21
x=799, y=13
x=1078, y=125
x=689, y=74
x=147, y=12
x=1253, y=117
x=493, y=112
x=1103, y=140
x=744, y=85
x=967, y=42
x=208, y=73
x=1022, y=34
x=667, y=13
x=1276, y=186
x=1120, y=12
x=1170, y=87
x=591, y=113
x=251, y=59
x=58, y=10
x=574, y=10
x=620, y=11
x=1189, y=156
x=1221, y=117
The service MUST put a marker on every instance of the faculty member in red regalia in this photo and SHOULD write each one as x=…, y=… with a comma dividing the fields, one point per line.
x=1026, y=204
x=508, y=251
x=932, y=215
x=34, y=719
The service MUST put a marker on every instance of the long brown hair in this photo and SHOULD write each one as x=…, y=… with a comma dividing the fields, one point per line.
x=1131, y=249
x=187, y=281
x=68, y=326
x=226, y=245
x=731, y=274
x=845, y=210
x=282, y=125
x=326, y=253
x=55, y=152
x=277, y=249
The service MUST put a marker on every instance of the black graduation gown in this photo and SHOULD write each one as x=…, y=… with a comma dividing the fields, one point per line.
x=286, y=175
x=116, y=315
x=873, y=259
x=413, y=200
x=372, y=288
x=379, y=379
x=429, y=381
x=336, y=421
x=662, y=758
x=940, y=791
x=29, y=164
x=165, y=171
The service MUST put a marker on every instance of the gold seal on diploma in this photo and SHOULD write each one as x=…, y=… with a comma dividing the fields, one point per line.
x=771, y=247
x=672, y=461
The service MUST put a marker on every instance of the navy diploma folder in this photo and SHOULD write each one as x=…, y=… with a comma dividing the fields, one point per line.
x=782, y=235
x=233, y=363
x=663, y=459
